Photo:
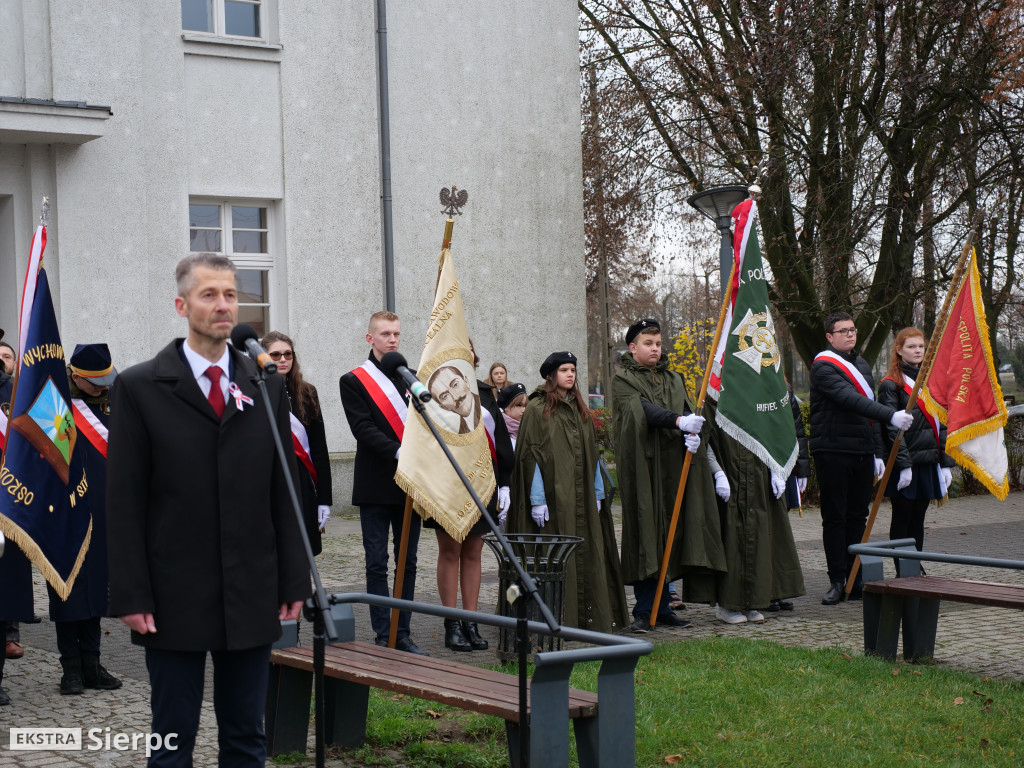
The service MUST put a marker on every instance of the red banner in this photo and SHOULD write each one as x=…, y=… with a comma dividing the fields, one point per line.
x=963, y=390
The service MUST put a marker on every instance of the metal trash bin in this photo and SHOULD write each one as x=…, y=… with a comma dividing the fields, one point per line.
x=545, y=557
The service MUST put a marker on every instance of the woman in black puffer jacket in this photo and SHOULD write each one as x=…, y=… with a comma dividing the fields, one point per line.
x=922, y=469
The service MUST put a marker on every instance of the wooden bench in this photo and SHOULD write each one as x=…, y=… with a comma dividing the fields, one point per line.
x=912, y=601
x=604, y=734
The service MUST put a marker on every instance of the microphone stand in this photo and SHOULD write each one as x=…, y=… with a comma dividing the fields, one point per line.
x=316, y=608
x=526, y=584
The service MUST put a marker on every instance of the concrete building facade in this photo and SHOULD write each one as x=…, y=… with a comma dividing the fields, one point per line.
x=252, y=127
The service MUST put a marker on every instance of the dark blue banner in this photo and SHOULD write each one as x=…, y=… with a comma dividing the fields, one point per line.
x=44, y=492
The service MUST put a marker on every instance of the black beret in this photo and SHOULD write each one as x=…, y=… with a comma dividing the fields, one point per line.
x=645, y=324
x=554, y=360
x=507, y=394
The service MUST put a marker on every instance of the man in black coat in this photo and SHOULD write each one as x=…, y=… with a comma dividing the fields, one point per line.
x=205, y=551
x=375, y=407
x=846, y=442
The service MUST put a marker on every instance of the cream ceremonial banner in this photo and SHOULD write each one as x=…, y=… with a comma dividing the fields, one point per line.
x=446, y=368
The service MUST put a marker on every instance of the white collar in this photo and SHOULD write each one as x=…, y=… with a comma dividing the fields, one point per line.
x=199, y=364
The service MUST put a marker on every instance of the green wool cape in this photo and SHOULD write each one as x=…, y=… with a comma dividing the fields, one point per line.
x=759, y=547
x=564, y=446
x=648, y=464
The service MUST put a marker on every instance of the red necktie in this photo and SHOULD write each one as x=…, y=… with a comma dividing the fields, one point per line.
x=216, y=396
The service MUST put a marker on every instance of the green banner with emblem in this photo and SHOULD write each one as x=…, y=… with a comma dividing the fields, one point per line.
x=753, y=400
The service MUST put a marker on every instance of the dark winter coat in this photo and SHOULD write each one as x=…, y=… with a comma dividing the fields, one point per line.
x=201, y=533
x=918, y=445
x=842, y=419
x=373, y=478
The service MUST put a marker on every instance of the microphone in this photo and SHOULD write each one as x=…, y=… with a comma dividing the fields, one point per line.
x=393, y=363
x=244, y=339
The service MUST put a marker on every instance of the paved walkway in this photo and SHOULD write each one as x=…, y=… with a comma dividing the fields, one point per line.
x=986, y=641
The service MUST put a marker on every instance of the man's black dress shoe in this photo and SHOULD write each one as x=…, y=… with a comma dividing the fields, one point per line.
x=406, y=644
x=834, y=595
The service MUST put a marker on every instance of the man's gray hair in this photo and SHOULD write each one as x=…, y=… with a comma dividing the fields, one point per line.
x=184, y=273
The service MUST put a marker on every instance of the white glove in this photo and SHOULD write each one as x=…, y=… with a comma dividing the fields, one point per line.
x=879, y=467
x=947, y=476
x=801, y=484
x=905, y=477
x=504, y=499
x=691, y=423
x=722, y=486
x=692, y=443
x=539, y=513
x=2, y=543
x=323, y=514
x=502, y=517
x=778, y=486
x=901, y=420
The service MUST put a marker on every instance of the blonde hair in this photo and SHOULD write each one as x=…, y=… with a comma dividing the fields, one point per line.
x=384, y=316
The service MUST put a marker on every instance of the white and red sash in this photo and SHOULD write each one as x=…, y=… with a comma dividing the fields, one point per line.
x=933, y=422
x=489, y=429
x=89, y=425
x=848, y=369
x=300, y=440
x=384, y=395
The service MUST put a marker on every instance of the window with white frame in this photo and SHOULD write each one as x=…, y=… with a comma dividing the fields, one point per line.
x=241, y=231
x=225, y=18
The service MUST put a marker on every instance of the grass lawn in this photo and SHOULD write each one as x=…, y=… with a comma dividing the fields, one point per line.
x=736, y=702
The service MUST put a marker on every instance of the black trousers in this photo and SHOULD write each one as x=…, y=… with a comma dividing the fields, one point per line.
x=239, y=699
x=845, y=483
x=78, y=638
x=908, y=519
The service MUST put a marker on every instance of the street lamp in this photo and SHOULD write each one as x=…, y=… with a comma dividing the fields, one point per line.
x=717, y=204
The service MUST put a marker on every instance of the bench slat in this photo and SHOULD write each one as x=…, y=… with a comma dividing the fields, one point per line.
x=954, y=590
x=442, y=680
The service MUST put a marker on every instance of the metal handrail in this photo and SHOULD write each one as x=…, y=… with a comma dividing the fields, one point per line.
x=889, y=549
x=614, y=646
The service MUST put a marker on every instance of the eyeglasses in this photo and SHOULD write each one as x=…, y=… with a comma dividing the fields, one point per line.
x=287, y=355
x=844, y=332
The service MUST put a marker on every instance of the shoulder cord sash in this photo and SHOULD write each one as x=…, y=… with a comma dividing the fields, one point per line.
x=384, y=396
x=855, y=376
x=300, y=440
x=89, y=425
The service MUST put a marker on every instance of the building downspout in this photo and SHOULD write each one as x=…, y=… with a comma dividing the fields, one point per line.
x=385, y=156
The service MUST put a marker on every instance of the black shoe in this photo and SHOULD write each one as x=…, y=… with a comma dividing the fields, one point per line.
x=671, y=620
x=95, y=676
x=785, y=605
x=454, y=637
x=834, y=595
x=406, y=644
x=71, y=681
x=472, y=633
x=640, y=625
x=381, y=641
x=4, y=698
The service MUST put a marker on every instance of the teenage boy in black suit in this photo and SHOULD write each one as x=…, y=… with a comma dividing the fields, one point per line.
x=375, y=407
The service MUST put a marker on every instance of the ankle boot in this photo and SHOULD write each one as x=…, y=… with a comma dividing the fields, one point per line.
x=95, y=676
x=71, y=681
x=453, y=637
x=472, y=633
x=834, y=595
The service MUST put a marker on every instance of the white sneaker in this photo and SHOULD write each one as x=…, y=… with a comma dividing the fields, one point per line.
x=730, y=617
x=755, y=616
